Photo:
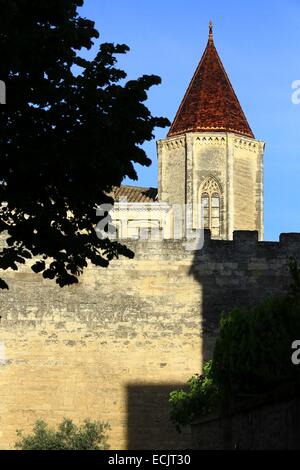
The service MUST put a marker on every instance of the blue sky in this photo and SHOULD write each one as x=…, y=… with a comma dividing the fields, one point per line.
x=258, y=42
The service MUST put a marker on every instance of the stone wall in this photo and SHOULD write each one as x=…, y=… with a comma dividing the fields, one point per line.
x=273, y=423
x=113, y=346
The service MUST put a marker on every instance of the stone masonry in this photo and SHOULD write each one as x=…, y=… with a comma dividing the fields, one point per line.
x=113, y=347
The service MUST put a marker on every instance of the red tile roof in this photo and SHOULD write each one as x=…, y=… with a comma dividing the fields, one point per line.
x=210, y=103
x=135, y=194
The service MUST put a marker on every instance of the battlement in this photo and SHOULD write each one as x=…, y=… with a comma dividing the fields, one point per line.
x=244, y=244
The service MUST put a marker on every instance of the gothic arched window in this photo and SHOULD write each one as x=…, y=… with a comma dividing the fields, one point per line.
x=205, y=209
x=211, y=206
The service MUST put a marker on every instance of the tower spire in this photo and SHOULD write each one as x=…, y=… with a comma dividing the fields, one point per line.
x=210, y=37
x=210, y=103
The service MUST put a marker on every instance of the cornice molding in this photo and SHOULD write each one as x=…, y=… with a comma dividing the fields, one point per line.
x=246, y=144
x=220, y=141
x=140, y=207
x=172, y=144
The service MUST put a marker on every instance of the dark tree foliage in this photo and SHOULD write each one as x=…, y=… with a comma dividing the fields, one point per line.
x=71, y=130
x=253, y=352
x=295, y=275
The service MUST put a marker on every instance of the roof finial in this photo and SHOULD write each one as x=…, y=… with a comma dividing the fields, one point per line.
x=210, y=31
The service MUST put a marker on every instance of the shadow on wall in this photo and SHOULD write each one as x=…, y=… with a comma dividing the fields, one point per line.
x=242, y=272
x=148, y=425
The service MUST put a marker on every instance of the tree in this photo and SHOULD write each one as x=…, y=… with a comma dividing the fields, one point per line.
x=89, y=436
x=72, y=129
x=200, y=398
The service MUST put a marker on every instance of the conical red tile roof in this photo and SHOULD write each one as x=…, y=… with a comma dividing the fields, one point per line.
x=210, y=103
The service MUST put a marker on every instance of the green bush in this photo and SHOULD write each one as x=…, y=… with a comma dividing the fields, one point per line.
x=89, y=436
x=200, y=398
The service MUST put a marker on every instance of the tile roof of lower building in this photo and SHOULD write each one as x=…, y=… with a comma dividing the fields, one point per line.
x=135, y=194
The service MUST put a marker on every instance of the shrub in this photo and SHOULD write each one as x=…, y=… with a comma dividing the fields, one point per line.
x=89, y=436
x=200, y=398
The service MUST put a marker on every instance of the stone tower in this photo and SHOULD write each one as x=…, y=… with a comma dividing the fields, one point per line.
x=210, y=160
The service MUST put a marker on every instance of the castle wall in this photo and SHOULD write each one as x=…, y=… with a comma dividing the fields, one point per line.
x=112, y=347
x=267, y=422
